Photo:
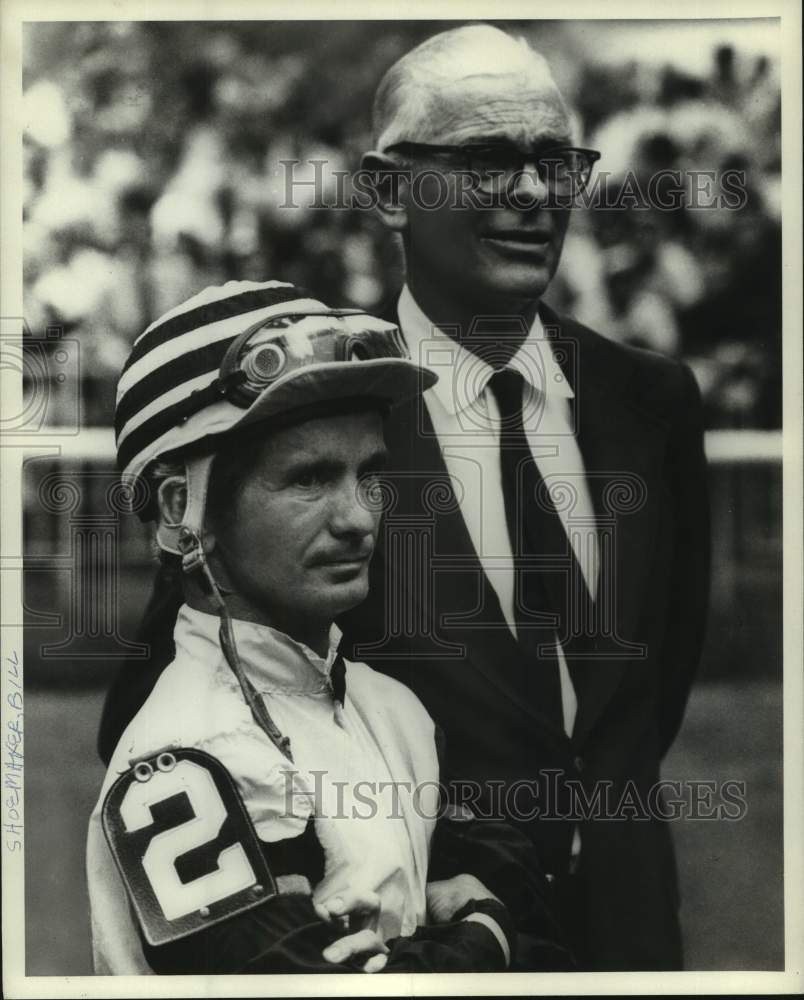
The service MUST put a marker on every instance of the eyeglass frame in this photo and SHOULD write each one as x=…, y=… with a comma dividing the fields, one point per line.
x=592, y=155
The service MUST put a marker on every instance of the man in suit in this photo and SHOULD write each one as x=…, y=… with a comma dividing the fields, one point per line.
x=542, y=575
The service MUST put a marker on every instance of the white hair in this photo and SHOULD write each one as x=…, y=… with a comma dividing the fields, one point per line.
x=404, y=96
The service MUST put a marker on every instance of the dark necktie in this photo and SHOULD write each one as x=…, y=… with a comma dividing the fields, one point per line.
x=535, y=531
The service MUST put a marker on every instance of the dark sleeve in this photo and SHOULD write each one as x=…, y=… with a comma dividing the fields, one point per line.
x=457, y=946
x=286, y=935
x=689, y=589
x=505, y=860
x=136, y=678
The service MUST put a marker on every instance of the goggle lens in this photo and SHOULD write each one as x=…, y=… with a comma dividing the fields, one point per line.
x=286, y=343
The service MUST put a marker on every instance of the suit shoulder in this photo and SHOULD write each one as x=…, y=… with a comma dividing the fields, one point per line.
x=618, y=354
x=657, y=383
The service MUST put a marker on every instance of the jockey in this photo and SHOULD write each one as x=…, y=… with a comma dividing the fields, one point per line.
x=273, y=807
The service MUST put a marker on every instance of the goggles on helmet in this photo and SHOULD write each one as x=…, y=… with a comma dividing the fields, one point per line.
x=274, y=349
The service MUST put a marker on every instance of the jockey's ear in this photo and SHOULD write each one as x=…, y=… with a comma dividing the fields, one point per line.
x=172, y=497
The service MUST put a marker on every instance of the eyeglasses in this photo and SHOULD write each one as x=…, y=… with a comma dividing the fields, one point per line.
x=565, y=170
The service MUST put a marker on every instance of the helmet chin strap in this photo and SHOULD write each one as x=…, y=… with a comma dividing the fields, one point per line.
x=186, y=539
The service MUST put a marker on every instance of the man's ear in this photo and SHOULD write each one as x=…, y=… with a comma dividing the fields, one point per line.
x=172, y=498
x=390, y=183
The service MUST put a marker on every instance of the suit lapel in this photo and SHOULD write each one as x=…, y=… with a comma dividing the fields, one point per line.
x=468, y=612
x=622, y=448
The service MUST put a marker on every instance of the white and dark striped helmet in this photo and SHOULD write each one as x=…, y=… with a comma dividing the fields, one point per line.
x=245, y=352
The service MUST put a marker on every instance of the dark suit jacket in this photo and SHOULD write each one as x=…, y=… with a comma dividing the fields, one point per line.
x=433, y=620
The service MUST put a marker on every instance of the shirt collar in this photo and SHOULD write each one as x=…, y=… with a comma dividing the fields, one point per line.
x=463, y=376
x=272, y=660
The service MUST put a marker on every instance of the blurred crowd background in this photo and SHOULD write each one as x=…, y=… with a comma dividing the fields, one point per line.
x=153, y=168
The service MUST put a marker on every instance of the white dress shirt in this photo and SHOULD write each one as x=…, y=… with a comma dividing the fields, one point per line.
x=466, y=419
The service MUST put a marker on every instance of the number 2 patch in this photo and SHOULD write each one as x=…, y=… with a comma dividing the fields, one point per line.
x=184, y=844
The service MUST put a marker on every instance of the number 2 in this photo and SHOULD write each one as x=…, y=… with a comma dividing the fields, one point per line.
x=234, y=871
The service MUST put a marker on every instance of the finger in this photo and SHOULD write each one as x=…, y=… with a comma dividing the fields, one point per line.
x=435, y=892
x=376, y=963
x=354, y=909
x=360, y=901
x=333, y=912
x=342, y=923
x=364, y=941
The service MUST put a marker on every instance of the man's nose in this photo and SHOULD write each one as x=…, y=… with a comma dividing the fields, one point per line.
x=528, y=187
x=352, y=512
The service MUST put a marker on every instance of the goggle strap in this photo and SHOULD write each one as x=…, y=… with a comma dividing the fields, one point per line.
x=213, y=393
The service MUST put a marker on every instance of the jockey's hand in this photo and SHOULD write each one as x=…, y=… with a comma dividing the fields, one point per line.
x=358, y=912
x=446, y=897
